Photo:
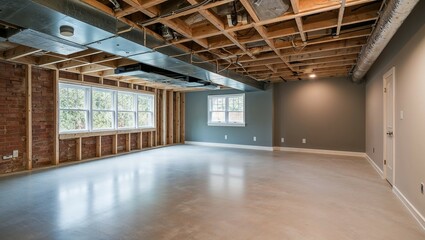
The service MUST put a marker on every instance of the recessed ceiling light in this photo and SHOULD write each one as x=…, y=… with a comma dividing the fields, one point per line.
x=312, y=75
x=66, y=31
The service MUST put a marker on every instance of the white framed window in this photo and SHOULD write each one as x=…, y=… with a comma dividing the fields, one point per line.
x=74, y=108
x=145, y=111
x=91, y=109
x=103, y=109
x=126, y=110
x=226, y=110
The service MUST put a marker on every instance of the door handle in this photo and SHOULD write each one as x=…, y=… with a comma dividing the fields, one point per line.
x=390, y=133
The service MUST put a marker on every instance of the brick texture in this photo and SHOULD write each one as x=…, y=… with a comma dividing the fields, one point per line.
x=121, y=143
x=106, y=145
x=42, y=117
x=89, y=148
x=12, y=116
x=134, y=140
x=67, y=150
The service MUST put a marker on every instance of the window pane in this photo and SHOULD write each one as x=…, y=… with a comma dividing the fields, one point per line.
x=236, y=117
x=145, y=119
x=71, y=120
x=125, y=102
x=102, y=100
x=218, y=104
x=125, y=120
x=72, y=98
x=103, y=120
x=145, y=103
x=218, y=117
x=235, y=104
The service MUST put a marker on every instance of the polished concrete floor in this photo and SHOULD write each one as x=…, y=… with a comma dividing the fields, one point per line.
x=189, y=192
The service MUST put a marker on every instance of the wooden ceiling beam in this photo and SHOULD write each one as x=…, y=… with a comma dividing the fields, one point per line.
x=298, y=20
x=19, y=52
x=340, y=17
x=262, y=30
x=324, y=54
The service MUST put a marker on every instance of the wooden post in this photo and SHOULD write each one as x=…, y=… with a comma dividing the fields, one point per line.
x=114, y=144
x=170, y=117
x=151, y=135
x=78, y=149
x=98, y=146
x=28, y=79
x=164, y=117
x=55, y=160
x=177, y=117
x=182, y=118
x=140, y=140
x=128, y=142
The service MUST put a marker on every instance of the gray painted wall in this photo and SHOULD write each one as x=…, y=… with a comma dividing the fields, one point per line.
x=406, y=52
x=329, y=113
x=258, y=118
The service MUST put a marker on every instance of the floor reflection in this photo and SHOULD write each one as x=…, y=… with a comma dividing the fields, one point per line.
x=79, y=201
x=226, y=180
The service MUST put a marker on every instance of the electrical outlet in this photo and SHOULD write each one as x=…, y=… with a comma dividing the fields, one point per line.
x=422, y=188
x=15, y=153
x=282, y=140
x=254, y=138
x=225, y=137
x=304, y=140
x=401, y=115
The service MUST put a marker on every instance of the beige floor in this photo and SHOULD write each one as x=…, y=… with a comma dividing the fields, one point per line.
x=188, y=192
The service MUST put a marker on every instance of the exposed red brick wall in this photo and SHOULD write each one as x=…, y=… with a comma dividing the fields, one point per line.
x=145, y=140
x=88, y=148
x=12, y=115
x=106, y=145
x=67, y=150
x=42, y=117
x=121, y=143
x=134, y=140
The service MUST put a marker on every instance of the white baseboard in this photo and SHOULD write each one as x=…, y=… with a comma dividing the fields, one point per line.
x=320, y=151
x=377, y=169
x=228, y=145
x=416, y=214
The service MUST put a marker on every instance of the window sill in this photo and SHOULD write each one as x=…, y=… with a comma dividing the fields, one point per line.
x=226, y=124
x=63, y=136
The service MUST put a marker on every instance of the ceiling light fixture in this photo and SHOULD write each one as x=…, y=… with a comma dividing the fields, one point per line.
x=312, y=75
x=66, y=31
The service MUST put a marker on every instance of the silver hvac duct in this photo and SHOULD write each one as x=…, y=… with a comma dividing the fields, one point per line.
x=98, y=30
x=391, y=19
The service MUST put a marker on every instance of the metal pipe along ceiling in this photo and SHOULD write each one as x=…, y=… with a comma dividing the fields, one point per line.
x=391, y=19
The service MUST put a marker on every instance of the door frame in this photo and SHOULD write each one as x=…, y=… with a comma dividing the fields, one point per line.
x=389, y=72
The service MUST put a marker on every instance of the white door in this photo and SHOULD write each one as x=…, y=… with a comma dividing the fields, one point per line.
x=389, y=125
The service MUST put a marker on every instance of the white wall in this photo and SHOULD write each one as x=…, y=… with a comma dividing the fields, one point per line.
x=406, y=52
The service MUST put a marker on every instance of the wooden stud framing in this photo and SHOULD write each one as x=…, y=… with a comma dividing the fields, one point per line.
x=114, y=144
x=128, y=142
x=164, y=117
x=78, y=149
x=140, y=140
x=170, y=117
x=177, y=118
x=182, y=118
x=98, y=146
x=28, y=78
x=55, y=160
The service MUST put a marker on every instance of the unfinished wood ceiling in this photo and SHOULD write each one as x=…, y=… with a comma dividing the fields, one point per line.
x=323, y=37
